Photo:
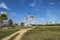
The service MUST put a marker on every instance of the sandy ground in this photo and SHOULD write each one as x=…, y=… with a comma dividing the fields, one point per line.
x=18, y=37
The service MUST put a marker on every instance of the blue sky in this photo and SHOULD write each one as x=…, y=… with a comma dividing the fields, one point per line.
x=45, y=10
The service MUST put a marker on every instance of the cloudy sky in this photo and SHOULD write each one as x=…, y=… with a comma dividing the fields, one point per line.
x=45, y=10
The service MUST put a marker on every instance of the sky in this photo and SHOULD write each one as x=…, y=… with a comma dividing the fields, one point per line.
x=45, y=10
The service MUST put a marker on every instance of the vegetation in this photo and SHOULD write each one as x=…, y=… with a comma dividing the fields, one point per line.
x=13, y=37
x=43, y=33
x=3, y=16
x=4, y=32
x=16, y=24
x=10, y=22
x=8, y=31
x=48, y=25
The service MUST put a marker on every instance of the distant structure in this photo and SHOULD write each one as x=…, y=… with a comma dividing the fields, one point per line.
x=27, y=20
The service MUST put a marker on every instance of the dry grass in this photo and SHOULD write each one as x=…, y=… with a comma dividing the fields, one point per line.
x=6, y=32
x=43, y=33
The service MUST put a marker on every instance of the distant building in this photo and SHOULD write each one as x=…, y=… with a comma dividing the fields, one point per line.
x=27, y=20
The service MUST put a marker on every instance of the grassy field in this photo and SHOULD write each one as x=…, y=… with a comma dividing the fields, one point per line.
x=7, y=31
x=18, y=33
x=43, y=33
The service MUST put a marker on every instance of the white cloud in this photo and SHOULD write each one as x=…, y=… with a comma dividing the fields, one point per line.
x=3, y=13
x=32, y=4
x=58, y=2
x=14, y=14
x=51, y=15
x=40, y=1
x=35, y=6
x=53, y=22
x=51, y=3
x=42, y=19
x=23, y=0
x=3, y=5
x=35, y=2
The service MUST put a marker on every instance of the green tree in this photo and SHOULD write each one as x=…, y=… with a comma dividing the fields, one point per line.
x=4, y=17
x=10, y=22
x=16, y=24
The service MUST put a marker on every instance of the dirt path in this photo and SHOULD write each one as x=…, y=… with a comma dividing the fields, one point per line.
x=21, y=32
x=18, y=37
x=8, y=37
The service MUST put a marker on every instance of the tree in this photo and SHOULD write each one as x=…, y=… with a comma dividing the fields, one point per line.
x=16, y=24
x=4, y=17
x=10, y=22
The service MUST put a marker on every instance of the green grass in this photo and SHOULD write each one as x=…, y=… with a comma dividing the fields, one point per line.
x=7, y=32
x=43, y=33
x=14, y=36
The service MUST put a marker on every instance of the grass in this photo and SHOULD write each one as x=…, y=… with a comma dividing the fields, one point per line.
x=13, y=37
x=18, y=33
x=43, y=33
x=7, y=31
